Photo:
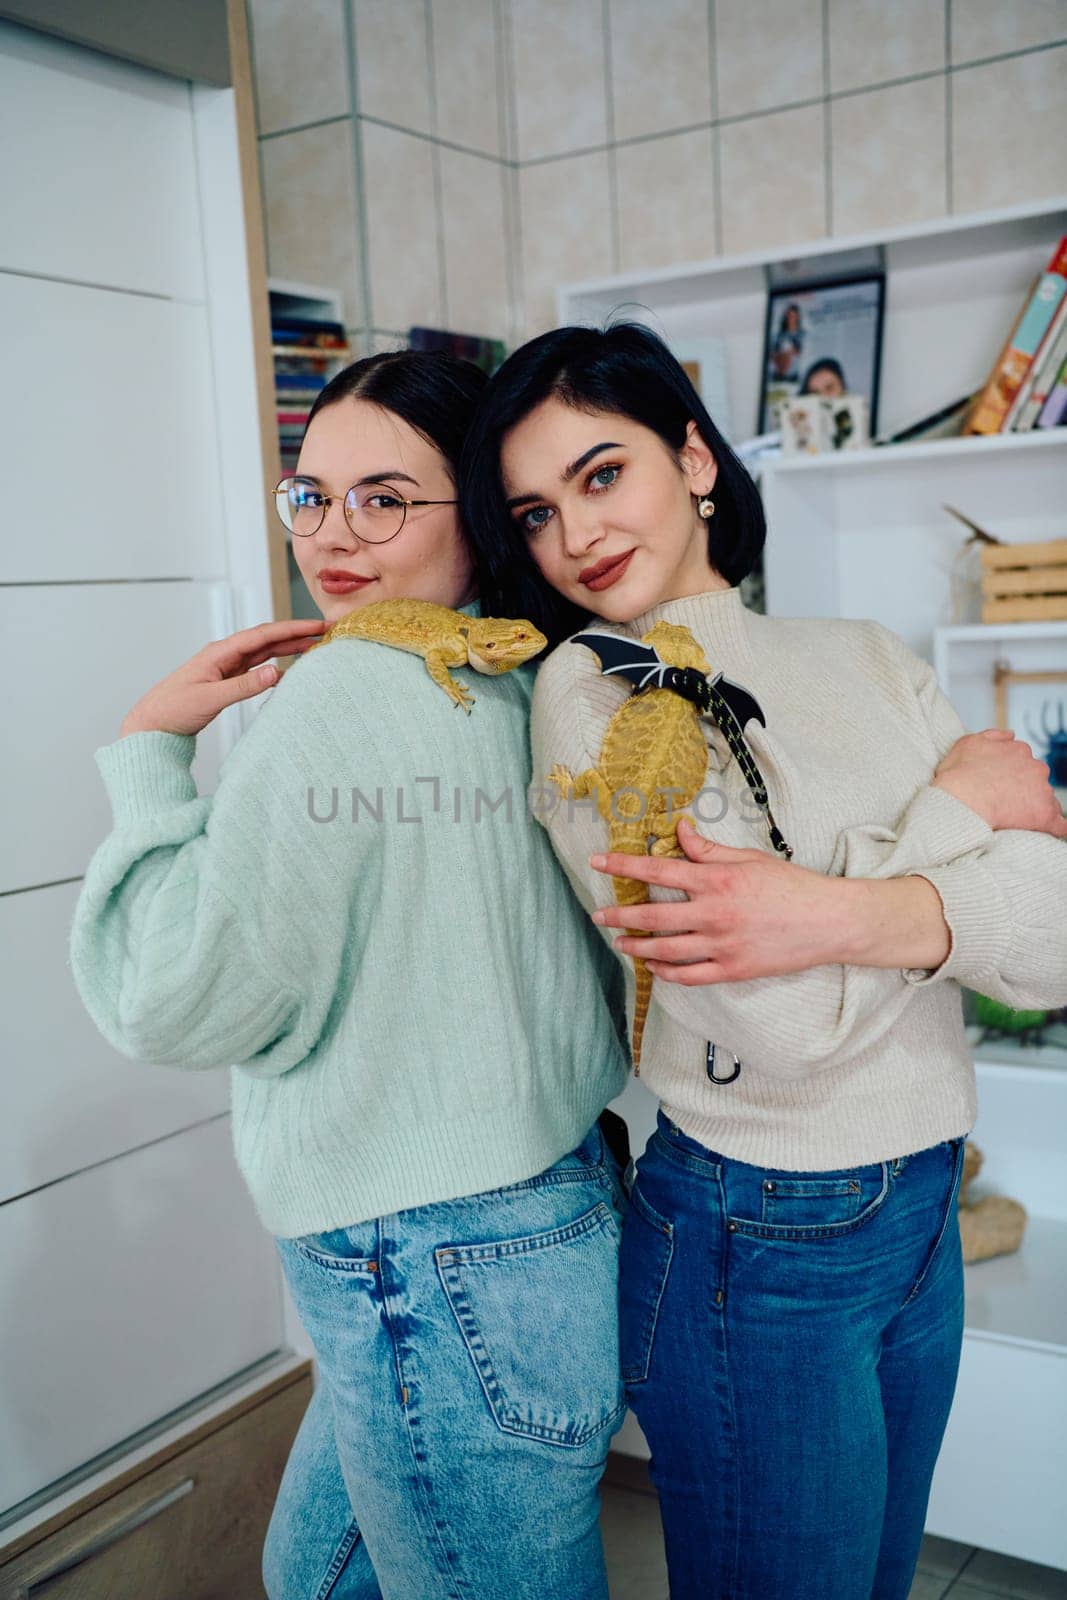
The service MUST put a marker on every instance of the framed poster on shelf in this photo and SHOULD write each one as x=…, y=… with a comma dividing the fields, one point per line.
x=822, y=339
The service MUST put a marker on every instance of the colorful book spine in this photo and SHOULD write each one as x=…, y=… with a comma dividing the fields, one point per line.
x=1043, y=373
x=1054, y=411
x=990, y=409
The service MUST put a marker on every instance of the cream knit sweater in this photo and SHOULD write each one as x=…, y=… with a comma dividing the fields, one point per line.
x=841, y=1065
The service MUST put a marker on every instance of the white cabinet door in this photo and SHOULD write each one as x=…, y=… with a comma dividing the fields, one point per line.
x=109, y=437
x=124, y=1292
x=74, y=667
x=98, y=183
x=70, y=1100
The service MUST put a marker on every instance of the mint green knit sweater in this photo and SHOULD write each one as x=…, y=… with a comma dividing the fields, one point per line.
x=412, y=1004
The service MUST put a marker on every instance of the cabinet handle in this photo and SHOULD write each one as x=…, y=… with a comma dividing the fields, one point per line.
x=110, y=1536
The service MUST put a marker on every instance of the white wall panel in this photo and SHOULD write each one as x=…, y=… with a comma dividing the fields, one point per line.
x=74, y=665
x=124, y=1291
x=98, y=178
x=70, y=1100
x=109, y=427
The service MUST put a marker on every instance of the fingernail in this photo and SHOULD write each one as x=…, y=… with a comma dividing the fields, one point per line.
x=268, y=674
x=598, y=918
x=598, y=861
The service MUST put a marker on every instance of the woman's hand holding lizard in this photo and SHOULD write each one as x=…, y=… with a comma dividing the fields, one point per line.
x=223, y=672
x=748, y=915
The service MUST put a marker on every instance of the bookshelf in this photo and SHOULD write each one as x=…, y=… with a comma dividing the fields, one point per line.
x=864, y=534
x=300, y=369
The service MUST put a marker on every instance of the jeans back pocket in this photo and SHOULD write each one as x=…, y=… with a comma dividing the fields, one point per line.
x=539, y=1317
x=645, y=1261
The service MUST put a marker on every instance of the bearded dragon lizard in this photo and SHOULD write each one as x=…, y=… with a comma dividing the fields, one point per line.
x=443, y=638
x=653, y=760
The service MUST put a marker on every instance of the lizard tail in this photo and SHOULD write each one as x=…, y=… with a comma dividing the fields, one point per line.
x=641, y=1000
x=631, y=892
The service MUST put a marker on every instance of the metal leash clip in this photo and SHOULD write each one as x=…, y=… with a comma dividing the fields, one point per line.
x=711, y=1067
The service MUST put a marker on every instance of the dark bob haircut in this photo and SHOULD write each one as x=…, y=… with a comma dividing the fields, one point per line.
x=624, y=370
x=435, y=393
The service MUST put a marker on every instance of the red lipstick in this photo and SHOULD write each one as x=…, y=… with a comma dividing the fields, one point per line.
x=606, y=572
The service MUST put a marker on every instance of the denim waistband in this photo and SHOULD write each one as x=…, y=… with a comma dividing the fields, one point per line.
x=675, y=1140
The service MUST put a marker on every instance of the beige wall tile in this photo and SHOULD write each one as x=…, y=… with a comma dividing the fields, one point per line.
x=298, y=58
x=773, y=180
x=405, y=280
x=1004, y=117
x=565, y=230
x=558, y=72
x=666, y=200
x=392, y=62
x=871, y=42
x=768, y=53
x=310, y=206
x=380, y=342
x=465, y=73
x=991, y=27
x=888, y=157
x=476, y=266
x=660, y=65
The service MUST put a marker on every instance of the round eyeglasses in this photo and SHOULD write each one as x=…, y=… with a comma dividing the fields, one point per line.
x=374, y=511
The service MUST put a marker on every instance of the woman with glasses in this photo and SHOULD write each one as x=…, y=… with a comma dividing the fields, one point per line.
x=790, y=1277
x=421, y=1029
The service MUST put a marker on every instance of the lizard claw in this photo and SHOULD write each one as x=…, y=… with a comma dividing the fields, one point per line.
x=563, y=778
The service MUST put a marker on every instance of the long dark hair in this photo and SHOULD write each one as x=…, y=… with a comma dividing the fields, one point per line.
x=625, y=370
x=433, y=392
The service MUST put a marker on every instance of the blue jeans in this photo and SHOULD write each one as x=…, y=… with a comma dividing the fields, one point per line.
x=790, y=1343
x=468, y=1390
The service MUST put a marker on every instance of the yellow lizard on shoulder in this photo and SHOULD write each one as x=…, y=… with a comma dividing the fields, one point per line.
x=652, y=764
x=443, y=638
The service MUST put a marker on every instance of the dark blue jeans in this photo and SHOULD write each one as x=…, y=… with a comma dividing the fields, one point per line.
x=790, y=1343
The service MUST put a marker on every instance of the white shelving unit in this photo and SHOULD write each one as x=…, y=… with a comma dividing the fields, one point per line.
x=313, y=303
x=864, y=534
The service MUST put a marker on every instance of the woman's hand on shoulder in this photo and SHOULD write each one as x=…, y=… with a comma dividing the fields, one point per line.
x=222, y=673
x=1000, y=778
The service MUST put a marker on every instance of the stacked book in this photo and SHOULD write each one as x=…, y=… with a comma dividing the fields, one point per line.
x=1027, y=387
x=306, y=356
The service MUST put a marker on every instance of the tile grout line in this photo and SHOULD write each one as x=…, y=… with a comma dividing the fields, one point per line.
x=435, y=165
x=609, y=121
x=510, y=146
x=358, y=170
x=827, y=124
x=716, y=137
x=949, y=185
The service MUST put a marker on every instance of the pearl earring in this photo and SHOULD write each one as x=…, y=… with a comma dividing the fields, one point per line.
x=706, y=507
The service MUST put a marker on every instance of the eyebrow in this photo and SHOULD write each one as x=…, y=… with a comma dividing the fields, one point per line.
x=371, y=477
x=568, y=474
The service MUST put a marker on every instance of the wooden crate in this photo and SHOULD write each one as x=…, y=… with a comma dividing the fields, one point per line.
x=1025, y=582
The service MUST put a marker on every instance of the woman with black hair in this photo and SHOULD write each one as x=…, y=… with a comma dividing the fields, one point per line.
x=825, y=377
x=791, y=1280
x=420, y=1070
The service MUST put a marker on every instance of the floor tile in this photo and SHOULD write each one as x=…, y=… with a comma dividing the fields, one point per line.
x=1021, y=1580
x=633, y=1545
x=943, y=1557
x=927, y=1586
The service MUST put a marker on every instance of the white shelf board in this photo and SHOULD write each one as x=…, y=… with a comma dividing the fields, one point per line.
x=983, y=632
x=913, y=245
x=908, y=454
x=1022, y=1298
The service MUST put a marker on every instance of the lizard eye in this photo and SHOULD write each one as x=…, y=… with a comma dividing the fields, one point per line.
x=520, y=636
x=490, y=645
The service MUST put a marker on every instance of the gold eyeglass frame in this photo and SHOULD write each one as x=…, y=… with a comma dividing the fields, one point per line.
x=328, y=500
